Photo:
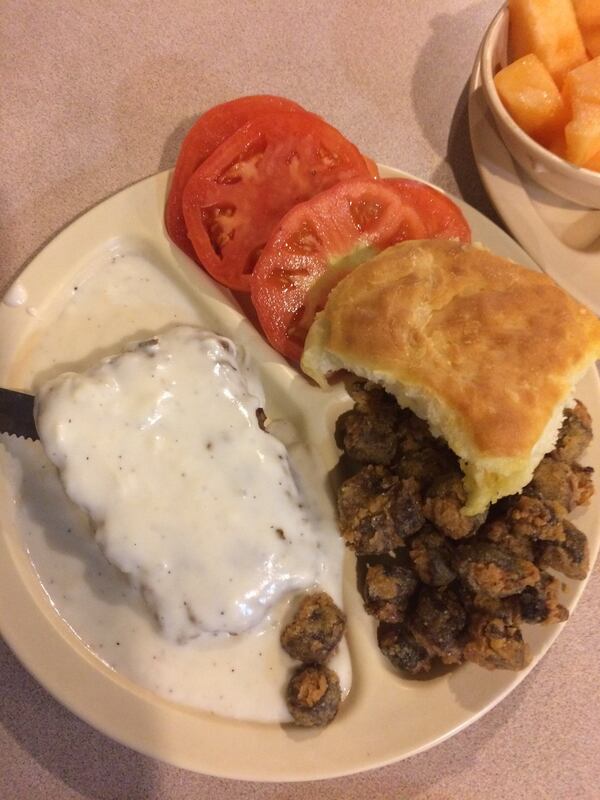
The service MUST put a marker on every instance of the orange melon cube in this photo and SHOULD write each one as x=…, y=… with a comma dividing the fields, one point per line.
x=582, y=84
x=532, y=98
x=558, y=145
x=588, y=17
x=582, y=134
x=547, y=28
x=594, y=162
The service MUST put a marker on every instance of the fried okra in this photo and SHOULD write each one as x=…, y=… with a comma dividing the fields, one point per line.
x=367, y=438
x=443, y=505
x=400, y=647
x=568, y=484
x=571, y=556
x=413, y=433
x=495, y=643
x=539, y=603
x=432, y=556
x=371, y=398
x=438, y=623
x=426, y=465
x=387, y=591
x=506, y=608
x=313, y=695
x=315, y=630
x=575, y=433
x=489, y=569
x=501, y=533
x=376, y=427
x=534, y=517
x=377, y=510
x=471, y=581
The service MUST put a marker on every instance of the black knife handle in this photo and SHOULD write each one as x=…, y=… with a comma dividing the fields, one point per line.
x=16, y=414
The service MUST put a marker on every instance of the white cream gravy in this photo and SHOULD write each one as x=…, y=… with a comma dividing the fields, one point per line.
x=190, y=498
x=242, y=676
x=15, y=296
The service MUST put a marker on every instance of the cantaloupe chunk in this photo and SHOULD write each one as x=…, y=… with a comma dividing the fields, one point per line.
x=547, y=28
x=558, y=145
x=582, y=134
x=582, y=84
x=594, y=162
x=588, y=17
x=532, y=98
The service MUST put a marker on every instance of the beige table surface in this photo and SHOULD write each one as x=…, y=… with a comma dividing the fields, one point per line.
x=96, y=94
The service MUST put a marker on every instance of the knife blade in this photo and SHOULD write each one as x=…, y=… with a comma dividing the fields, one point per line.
x=16, y=414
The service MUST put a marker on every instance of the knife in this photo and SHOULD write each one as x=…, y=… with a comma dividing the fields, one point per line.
x=16, y=414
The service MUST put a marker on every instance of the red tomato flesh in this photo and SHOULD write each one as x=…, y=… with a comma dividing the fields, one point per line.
x=237, y=196
x=206, y=134
x=442, y=217
x=371, y=166
x=320, y=241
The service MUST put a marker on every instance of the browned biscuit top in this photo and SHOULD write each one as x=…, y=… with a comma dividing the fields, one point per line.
x=495, y=343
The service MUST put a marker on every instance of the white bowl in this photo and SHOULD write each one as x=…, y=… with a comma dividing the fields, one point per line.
x=577, y=184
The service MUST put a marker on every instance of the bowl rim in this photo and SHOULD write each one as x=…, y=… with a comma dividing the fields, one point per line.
x=550, y=159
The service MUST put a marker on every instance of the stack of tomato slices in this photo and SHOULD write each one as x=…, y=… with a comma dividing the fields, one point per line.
x=272, y=200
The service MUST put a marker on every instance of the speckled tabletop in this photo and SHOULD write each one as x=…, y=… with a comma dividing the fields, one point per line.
x=96, y=94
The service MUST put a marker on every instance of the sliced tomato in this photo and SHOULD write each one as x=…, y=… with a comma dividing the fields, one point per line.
x=320, y=241
x=316, y=244
x=442, y=217
x=206, y=134
x=372, y=167
x=237, y=196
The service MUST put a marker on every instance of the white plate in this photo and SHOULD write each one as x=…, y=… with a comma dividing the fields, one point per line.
x=385, y=717
x=563, y=238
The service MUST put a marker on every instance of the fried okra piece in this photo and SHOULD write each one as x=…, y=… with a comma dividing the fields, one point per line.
x=413, y=433
x=426, y=465
x=432, y=556
x=501, y=533
x=506, y=608
x=439, y=622
x=377, y=510
x=535, y=518
x=495, y=640
x=443, y=505
x=571, y=556
x=400, y=647
x=367, y=438
x=489, y=569
x=495, y=643
x=539, y=603
x=313, y=695
x=584, y=484
x=387, y=591
x=315, y=630
x=568, y=484
x=370, y=397
x=575, y=433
